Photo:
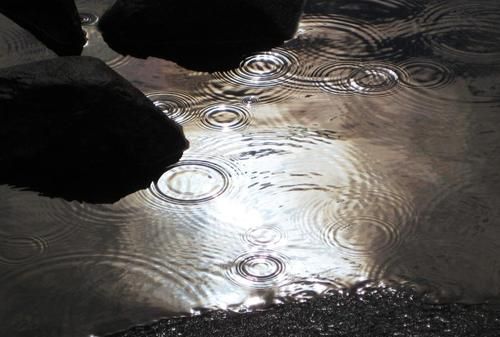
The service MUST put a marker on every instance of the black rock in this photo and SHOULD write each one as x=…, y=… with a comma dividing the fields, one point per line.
x=54, y=22
x=204, y=35
x=71, y=127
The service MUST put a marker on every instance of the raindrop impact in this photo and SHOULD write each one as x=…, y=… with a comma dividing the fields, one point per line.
x=178, y=106
x=260, y=269
x=223, y=117
x=191, y=182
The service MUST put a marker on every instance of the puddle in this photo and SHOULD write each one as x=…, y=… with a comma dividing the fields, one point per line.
x=366, y=148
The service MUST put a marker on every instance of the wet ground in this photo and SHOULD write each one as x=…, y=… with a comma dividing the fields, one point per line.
x=364, y=311
x=366, y=148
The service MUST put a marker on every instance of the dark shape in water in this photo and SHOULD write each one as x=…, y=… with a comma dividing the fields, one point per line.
x=201, y=35
x=56, y=23
x=73, y=128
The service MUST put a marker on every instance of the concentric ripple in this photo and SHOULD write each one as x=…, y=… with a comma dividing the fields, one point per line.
x=220, y=90
x=357, y=78
x=72, y=278
x=335, y=77
x=179, y=106
x=259, y=269
x=374, y=79
x=264, y=69
x=191, y=182
x=359, y=222
x=43, y=223
x=264, y=236
x=19, y=249
x=362, y=236
x=96, y=47
x=250, y=100
x=426, y=73
x=88, y=19
x=341, y=38
x=224, y=117
x=463, y=30
x=378, y=11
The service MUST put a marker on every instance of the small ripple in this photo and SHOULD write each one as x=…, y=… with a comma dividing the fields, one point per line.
x=265, y=69
x=20, y=249
x=362, y=236
x=421, y=73
x=178, y=106
x=357, y=78
x=220, y=90
x=250, y=100
x=96, y=47
x=333, y=37
x=225, y=117
x=88, y=19
x=465, y=31
x=260, y=269
x=263, y=236
x=28, y=215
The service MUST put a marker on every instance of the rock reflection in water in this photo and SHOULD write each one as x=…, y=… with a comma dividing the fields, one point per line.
x=364, y=148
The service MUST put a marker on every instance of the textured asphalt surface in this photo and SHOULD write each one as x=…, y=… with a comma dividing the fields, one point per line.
x=362, y=312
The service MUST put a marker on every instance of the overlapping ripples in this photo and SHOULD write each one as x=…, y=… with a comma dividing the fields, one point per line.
x=378, y=11
x=345, y=155
x=161, y=270
x=45, y=222
x=342, y=38
x=426, y=73
x=360, y=222
x=116, y=281
x=179, y=106
x=218, y=89
x=265, y=77
x=357, y=78
x=264, y=69
x=464, y=31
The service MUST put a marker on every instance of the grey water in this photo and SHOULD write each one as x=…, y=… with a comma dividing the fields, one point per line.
x=365, y=148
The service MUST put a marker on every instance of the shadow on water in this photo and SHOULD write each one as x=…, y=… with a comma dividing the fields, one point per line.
x=365, y=148
x=200, y=35
x=73, y=128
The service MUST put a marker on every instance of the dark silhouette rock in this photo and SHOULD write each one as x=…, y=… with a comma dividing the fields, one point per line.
x=202, y=35
x=71, y=127
x=54, y=22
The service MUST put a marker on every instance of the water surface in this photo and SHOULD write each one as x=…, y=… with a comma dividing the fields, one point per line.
x=366, y=148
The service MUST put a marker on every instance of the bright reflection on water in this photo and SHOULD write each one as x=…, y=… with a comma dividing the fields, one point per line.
x=364, y=148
